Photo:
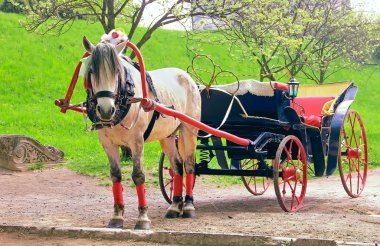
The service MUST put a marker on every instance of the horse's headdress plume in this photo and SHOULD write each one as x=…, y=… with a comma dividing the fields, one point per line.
x=114, y=37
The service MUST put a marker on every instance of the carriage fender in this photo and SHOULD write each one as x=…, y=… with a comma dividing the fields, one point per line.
x=336, y=126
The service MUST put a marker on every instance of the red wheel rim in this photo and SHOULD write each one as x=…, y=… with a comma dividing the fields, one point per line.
x=255, y=185
x=353, y=154
x=166, y=174
x=290, y=174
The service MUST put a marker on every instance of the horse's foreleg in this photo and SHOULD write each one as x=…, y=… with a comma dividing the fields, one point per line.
x=112, y=152
x=187, y=146
x=143, y=221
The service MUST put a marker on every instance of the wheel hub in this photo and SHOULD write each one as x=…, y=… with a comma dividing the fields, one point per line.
x=354, y=153
x=292, y=173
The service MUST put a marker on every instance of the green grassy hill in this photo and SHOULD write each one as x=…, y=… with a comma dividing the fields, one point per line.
x=35, y=70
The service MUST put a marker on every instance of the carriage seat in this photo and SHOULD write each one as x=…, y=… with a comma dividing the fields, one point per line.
x=311, y=108
x=315, y=101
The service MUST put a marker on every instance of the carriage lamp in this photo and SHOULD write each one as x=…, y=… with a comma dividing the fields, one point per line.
x=293, y=85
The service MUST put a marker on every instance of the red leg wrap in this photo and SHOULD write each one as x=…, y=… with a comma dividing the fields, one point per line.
x=141, y=195
x=189, y=184
x=117, y=189
x=178, y=183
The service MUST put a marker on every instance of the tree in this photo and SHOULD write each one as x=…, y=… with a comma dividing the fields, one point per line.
x=57, y=16
x=264, y=30
x=299, y=36
x=343, y=39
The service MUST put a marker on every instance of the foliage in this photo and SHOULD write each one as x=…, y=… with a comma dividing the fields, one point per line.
x=57, y=16
x=297, y=36
x=15, y=6
x=37, y=70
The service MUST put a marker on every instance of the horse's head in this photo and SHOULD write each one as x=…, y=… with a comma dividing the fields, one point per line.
x=105, y=74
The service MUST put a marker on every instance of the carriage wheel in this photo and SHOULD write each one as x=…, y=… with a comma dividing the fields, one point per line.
x=353, y=154
x=290, y=174
x=255, y=185
x=165, y=176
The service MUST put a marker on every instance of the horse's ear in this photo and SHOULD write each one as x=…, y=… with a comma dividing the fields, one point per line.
x=88, y=45
x=119, y=48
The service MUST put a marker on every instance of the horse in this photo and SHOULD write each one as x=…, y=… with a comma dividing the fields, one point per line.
x=110, y=80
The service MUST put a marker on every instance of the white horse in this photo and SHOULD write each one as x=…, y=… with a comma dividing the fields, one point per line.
x=107, y=75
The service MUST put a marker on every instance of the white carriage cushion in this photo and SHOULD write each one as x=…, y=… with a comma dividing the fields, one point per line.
x=248, y=86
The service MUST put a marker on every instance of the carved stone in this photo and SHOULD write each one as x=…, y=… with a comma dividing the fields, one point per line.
x=19, y=153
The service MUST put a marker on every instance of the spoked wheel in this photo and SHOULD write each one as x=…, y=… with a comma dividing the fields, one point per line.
x=353, y=154
x=165, y=176
x=290, y=174
x=255, y=185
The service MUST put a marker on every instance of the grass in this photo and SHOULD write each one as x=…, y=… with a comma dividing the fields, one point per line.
x=35, y=70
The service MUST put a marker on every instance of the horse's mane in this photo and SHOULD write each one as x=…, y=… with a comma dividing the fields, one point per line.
x=104, y=59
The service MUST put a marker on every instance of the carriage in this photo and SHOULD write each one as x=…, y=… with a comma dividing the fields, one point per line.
x=267, y=133
x=291, y=138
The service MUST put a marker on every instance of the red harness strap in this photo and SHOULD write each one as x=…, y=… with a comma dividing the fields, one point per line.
x=117, y=189
x=141, y=195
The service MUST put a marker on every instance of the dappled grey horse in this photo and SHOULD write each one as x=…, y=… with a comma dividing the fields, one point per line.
x=112, y=82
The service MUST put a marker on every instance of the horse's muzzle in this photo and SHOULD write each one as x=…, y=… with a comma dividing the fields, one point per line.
x=106, y=114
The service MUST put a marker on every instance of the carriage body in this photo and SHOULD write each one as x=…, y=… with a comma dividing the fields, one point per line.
x=272, y=123
x=271, y=118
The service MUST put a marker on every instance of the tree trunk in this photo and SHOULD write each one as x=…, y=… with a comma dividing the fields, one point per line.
x=110, y=15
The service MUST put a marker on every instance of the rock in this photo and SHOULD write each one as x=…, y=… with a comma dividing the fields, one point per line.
x=19, y=153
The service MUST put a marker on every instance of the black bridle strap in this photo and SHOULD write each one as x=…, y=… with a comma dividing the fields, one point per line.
x=109, y=94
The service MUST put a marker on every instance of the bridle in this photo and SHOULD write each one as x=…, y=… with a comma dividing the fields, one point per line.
x=125, y=91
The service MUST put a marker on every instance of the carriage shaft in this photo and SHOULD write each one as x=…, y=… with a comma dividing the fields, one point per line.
x=150, y=105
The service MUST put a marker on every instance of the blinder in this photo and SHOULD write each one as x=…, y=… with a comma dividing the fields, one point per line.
x=125, y=90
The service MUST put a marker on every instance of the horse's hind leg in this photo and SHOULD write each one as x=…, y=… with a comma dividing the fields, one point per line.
x=112, y=152
x=169, y=147
x=187, y=145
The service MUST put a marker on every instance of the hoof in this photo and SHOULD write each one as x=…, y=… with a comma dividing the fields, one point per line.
x=170, y=214
x=116, y=223
x=142, y=225
x=188, y=214
x=189, y=209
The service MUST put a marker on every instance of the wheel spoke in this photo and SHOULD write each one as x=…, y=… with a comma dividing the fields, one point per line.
x=249, y=181
x=289, y=154
x=293, y=194
x=169, y=182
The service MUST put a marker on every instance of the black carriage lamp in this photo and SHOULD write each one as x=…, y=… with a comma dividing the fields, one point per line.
x=293, y=85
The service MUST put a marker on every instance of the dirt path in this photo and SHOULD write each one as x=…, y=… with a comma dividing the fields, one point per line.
x=63, y=198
